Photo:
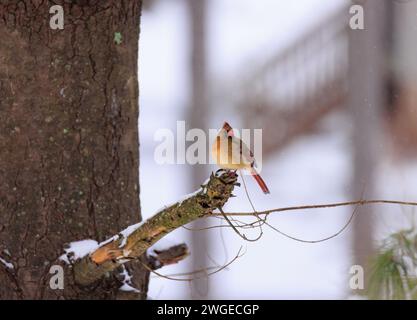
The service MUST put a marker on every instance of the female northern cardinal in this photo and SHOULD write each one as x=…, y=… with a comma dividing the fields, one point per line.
x=231, y=153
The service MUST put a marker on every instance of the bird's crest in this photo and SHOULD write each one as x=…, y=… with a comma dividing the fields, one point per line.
x=228, y=128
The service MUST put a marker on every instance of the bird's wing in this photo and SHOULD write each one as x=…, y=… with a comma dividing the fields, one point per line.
x=241, y=151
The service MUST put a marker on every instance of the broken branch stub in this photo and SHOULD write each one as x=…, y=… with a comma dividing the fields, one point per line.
x=214, y=194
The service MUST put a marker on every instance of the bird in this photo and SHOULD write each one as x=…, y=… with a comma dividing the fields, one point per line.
x=231, y=153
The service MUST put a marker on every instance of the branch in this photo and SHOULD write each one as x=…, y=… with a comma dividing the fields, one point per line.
x=319, y=206
x=135, y=240
x=172, y=255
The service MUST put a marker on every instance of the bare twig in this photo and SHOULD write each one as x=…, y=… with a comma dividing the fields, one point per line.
x=213, y=195
x=243, y=236
x=334, y=235
x=237, y=256
x=320, y=206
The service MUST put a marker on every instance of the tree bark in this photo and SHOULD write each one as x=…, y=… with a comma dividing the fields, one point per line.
x=69, y=156
x=366, y=103
x=198, y=113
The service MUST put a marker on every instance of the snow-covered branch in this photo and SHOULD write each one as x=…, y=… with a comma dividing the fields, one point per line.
x=133, y=242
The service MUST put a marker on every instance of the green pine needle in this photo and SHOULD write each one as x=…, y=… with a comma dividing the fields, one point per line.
x=393, y=270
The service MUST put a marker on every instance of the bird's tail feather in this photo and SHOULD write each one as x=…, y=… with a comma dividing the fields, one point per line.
x=260, y=181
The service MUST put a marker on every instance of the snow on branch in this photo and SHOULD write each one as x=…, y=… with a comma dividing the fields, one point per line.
x=92, y=264
x=91, y=260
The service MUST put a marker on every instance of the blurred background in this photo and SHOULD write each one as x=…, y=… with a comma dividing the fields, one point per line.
x=338, y=111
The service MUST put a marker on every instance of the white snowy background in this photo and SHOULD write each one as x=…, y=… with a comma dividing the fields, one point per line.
x=314, y=169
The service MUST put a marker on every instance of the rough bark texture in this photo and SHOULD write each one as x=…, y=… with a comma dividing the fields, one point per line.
x=68, y=139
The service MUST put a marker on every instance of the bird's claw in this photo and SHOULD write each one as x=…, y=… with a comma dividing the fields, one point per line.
x=229, y=178
x=219, y=172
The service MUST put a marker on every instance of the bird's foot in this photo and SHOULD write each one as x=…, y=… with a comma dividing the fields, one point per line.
x=219, y=172
x=229, y=177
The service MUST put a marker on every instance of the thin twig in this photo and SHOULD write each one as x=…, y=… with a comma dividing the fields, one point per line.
x=319, y=206
x=319, y=240
x=255, y=212
x=243, y=236
x=238, y=255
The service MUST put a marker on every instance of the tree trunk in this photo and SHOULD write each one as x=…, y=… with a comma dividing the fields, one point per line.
x=198, y=119
x=69, y=157
x=366, y=103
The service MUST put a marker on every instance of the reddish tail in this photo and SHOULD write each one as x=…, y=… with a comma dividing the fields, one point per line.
x=260, y=181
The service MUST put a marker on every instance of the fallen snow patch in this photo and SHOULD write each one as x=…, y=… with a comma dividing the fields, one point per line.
x=127, y=281
x=127, y=287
